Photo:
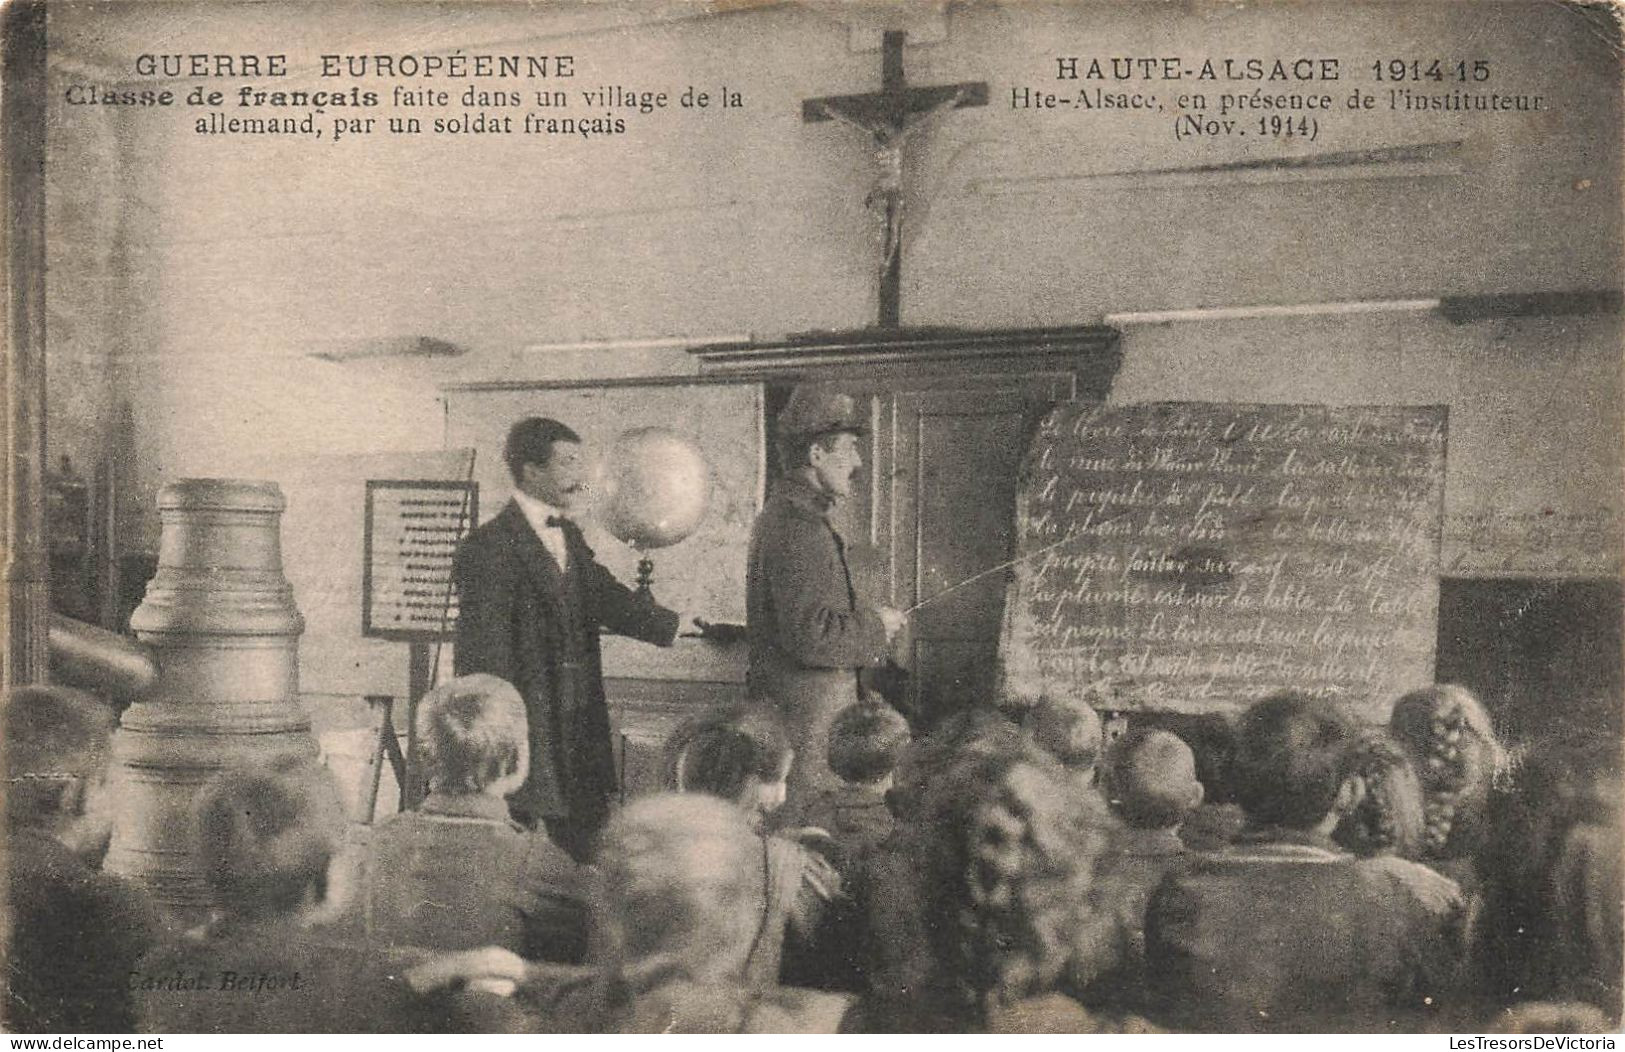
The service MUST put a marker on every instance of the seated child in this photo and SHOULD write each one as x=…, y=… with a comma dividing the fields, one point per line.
x=1457, y=756
x=1386, y=816
x=1219, y=819
x=882, y=937
x=1284, y=931
x=865, y=742
x=980, y=914
x=1384, y=821
x=458, y=872
x=677, y=905
x=75, y=932
x=266, y=840
x=1068, y=728
x=973, y=729
x=1551, y=925
x=1151, y=787
x=1552, y=1017
x=740, y=754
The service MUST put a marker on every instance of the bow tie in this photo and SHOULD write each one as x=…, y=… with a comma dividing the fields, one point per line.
x=557, y=521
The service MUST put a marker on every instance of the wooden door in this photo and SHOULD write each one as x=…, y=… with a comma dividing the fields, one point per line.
x=946, y=487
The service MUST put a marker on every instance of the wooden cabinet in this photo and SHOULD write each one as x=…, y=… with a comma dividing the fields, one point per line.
x=643, y=715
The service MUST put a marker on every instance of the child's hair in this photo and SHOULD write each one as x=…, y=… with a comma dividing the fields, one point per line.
x=1068, y=728
x=678, y=881
x=723, y=751
x=1457, y=756
x=1388, y=818
x=866, y=740
x=474, y=733
x=1550, y=871
x=977, y=729
x=1292, y=753
x=1151, y=778
x=266, y=835
x=56, y=741
x=1006, y=864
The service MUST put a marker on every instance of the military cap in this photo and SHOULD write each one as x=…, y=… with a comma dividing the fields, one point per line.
x=813, y=411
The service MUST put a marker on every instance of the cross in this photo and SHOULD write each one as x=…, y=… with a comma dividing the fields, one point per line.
x=891, y=115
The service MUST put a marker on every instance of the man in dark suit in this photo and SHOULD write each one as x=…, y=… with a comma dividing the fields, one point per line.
x=531, y=602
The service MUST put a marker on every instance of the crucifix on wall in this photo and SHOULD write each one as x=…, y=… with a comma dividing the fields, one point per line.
x=891, y=115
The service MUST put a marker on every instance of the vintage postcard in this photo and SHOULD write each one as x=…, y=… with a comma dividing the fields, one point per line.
x=834, y=516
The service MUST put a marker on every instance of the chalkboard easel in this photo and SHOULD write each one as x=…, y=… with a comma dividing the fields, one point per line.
x=410, y=537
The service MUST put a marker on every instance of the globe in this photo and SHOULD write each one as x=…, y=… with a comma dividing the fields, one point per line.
x=657, y=487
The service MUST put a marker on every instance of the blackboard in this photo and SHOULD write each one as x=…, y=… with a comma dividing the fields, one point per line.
x=1193, y=557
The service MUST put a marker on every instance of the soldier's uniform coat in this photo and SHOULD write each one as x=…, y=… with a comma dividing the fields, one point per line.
x=809, y=632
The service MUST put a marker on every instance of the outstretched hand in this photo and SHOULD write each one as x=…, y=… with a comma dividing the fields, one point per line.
x=716, y=631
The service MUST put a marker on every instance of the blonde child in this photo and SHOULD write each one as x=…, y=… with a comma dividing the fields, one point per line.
x=677, y=905
x=75, y=931
x=459, y=872
x=1457, y=755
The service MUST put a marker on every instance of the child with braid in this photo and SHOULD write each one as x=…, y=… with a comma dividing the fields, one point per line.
x=1001, y=861
x=1387, y=815
x=1453, y=745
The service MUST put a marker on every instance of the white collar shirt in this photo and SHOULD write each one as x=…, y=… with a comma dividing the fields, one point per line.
x=552, y=537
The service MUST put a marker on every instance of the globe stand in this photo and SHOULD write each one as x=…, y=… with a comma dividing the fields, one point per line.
x=646, y=569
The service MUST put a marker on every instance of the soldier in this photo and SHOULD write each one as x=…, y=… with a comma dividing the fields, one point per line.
x=810, y=633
